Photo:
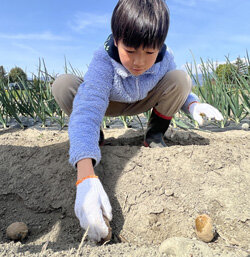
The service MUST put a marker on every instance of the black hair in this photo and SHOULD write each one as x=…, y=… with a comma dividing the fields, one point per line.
x=140, y=22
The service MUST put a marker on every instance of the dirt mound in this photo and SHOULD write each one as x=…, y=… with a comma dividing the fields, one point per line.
x=155, y=193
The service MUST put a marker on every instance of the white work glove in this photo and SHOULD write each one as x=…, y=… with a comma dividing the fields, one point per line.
x=198, y=110
x=91, y=204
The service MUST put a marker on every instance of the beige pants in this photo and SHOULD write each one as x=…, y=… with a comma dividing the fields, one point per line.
x=167, y=96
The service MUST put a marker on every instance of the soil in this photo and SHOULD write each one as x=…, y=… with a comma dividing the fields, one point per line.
x=156, y=194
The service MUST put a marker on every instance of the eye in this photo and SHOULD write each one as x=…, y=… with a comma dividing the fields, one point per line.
x=150, y=52
x=129, y=51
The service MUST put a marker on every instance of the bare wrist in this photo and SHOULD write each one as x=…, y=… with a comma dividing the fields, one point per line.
x=85, y=168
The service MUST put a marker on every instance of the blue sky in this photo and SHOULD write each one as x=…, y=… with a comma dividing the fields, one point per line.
x=53, y=30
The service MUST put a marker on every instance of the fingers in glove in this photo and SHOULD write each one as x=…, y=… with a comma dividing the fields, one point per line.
x=106, y=207
x=213, y=113
x=210, y=114
x=94, y=219
x=198, y=118
x=91, y=204
x=83, y=222
x=98, y=228
x=210, y=111
x=218, y=115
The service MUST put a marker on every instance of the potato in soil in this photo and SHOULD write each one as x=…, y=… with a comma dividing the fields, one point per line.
x=17, y=231
x=204, y=228
x=108, y=237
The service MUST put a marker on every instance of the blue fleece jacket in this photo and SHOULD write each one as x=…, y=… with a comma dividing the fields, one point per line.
x=108, y=80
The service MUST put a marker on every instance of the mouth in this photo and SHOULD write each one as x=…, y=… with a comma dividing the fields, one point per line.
x=138, y=70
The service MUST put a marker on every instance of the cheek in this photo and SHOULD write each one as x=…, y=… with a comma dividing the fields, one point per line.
x=125, y=59
x=151, y=60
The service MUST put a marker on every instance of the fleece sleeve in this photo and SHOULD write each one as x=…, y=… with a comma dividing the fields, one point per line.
x=170, y=59
x=192, y=97
x=89, y=107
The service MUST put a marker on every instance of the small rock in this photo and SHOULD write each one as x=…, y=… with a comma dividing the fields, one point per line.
x=169, y=192
x=245, y=126
x=204, y=228
x=184, y=247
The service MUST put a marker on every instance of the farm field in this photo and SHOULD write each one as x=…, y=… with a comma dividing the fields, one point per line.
x=156, y=194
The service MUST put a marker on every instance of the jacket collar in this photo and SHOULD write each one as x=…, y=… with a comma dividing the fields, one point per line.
x=124, y=73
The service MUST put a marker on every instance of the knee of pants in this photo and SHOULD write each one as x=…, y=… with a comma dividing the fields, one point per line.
x=62, y=84
x=182, y=81
x=64, y=90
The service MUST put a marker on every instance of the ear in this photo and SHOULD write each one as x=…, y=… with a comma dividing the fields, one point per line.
x=115, y=43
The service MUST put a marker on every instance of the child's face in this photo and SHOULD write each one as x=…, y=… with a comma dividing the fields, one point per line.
x=136, y=61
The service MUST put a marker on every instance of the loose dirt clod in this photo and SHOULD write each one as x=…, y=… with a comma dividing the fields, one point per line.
x=204, y=228
x=17, y=231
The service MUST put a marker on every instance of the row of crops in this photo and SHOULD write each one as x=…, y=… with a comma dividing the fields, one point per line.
x=34, y=100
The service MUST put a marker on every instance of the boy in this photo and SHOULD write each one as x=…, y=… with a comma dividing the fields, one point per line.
x=131, y=74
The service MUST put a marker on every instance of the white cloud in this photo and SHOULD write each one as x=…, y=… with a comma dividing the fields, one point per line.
x=27, y=48
x=36, y=36
x=85, y=20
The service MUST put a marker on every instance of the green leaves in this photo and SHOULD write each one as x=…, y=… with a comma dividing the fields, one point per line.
x=33, y=99
x=225, y=87
x=228, y=93
x=8, y=107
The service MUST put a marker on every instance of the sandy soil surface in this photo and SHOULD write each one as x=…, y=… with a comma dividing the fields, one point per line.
x=156, y=194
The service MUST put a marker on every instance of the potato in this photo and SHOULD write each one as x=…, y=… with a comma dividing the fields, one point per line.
x=204, y=228
x=108, y=237
x=17, y=231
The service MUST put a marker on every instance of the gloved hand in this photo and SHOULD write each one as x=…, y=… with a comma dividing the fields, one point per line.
x=197, y=110
x=90, y=205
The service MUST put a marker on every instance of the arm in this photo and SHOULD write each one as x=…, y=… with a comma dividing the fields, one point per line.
x=192, y=105
x=190, y=99
x=84, y=168
x=89, y=107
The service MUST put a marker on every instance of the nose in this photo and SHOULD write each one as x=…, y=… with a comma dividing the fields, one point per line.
x=138, y=61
